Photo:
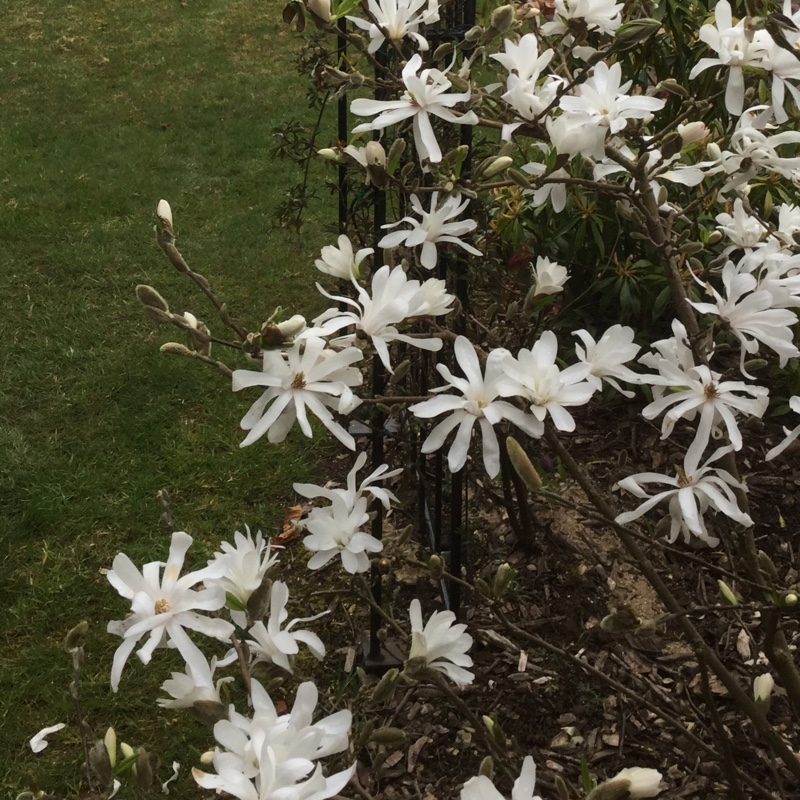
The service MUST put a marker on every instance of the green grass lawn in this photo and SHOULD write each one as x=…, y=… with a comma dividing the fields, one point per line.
x=105, y=107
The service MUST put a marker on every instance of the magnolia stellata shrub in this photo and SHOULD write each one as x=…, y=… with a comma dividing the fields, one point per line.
x=580, y=111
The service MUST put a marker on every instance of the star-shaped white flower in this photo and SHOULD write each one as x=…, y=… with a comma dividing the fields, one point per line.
x=433, y=228
x=426, y=93
x=735, y=49
x=482, y=788
x=694, y=490
x=277, y=644
x=396, y=19
x=342, y=262
x=307, y=377
x=394, y=299
x=162, y=606
x=478, y=403
x=273, y=755
x=534, y=376
x=442, y=644
x=336, y=530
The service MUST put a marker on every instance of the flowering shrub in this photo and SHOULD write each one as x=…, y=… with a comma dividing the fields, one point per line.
x=676, y=180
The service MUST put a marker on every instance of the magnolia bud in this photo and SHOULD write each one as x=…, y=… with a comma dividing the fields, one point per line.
x=762, y=688
x=631, y=33
x=164, y=214
x=175, y=349
x=503, y=18
x=157, y=315
x=503, y=578
x=436, y=566
x=144, y=770
x=110, y=742
x=127, y=750
x=150, y=298
x=207, y=758
x=727, y=593
x=713, y=151
x=790, y=599
x=390, y=736
x=497, y=166
x=473, y=34
x=100, y=763
x=693, y=132
x=767, y=567
x=329, y=153
x=376, y=155
x=320, y=9
x=75, y=637
x=673, y=87
x=385, y=686
x=522, y=465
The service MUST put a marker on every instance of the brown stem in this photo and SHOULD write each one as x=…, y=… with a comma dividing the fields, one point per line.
x=243, y=667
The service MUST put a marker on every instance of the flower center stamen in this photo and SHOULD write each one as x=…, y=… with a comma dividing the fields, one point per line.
x=299, y=381
x=161, y=606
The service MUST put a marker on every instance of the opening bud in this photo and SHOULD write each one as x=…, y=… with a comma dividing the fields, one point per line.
x=762, y=689
x=693, y=132
x=503, y=578
x=634, y=782
x=164, y=214
x=110, y=742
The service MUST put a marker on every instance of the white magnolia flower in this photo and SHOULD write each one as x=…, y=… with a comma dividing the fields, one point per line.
x=735, y=50
x=278, y=646
x=740, y=227
x=791, y=436
x=751, y=317
x=608, y=357
x=549, y=277
x=441, y=644
x=39, y=741
x=479, y=403
x=523, y=57
x=309, y=377
x=482, y=788
x=641, y=782
x=553, y=190
x=433, y=228
x=335, y=530
x=243, y=566
x=694, y=490
x=575, y=134
x=273, y=756
x=396, y=19
x=195, y=684
x=425, y=94
x=394, y=299
x=340, y=261
x=675, y=349
x=535, y=376
x=699, y=389
x=783, y=64
x=600, y=15
x=603, y=101
x=163, y=605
